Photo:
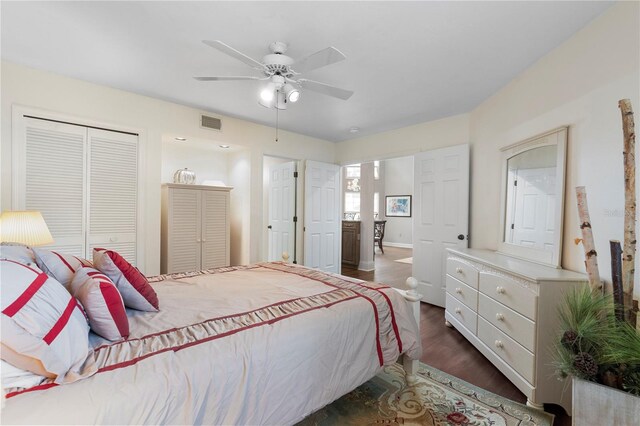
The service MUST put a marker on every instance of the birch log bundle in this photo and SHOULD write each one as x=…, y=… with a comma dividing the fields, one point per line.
x=629, y=250
x=590, y=254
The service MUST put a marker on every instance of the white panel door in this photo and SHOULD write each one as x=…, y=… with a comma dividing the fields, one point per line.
x=282, y=187
x=215, y=252
x=52, y=181
x=322, y=216
x=441, y=215
x=113, y=192
x=533, y=220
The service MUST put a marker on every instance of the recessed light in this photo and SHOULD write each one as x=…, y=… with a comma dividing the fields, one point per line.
x=181, y=139
x=224, y=146
x=354, y=129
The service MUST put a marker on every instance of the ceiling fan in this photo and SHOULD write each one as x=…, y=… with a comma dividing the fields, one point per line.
x=282, y=73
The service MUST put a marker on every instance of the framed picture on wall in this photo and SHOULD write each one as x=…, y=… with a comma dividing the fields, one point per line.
x=398, y=205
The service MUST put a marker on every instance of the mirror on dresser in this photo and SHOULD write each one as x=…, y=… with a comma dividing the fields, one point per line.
x=532, y=198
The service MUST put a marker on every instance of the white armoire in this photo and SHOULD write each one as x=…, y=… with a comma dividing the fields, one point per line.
x=195, y=227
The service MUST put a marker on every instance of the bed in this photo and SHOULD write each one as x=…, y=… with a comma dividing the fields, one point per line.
x=263, y=344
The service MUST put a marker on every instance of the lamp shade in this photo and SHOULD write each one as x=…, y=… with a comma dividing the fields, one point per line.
x=24, y=227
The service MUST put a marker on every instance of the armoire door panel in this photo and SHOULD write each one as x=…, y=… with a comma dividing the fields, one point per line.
x=214, y=229
x=184, y=230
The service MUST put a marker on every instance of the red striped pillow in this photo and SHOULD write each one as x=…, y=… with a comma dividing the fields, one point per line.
x=102, y=302
x=41, y=320
x=60, y=266
x=134, y=287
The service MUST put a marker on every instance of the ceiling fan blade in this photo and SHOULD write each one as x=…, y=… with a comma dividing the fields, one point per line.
x=325, y=89
x=217, y=44
x=322, y=58
x=227, y=78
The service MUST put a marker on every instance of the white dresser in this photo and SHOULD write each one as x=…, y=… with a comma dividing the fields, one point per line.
x=508, y=308
x=195, y=227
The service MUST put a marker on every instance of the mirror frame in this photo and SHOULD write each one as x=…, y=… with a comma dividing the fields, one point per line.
x=556, y=137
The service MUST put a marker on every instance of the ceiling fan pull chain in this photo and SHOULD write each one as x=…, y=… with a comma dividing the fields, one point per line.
x=277, y=112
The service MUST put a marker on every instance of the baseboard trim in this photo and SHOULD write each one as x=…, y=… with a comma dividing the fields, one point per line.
x=367, y=266
x=400, y=245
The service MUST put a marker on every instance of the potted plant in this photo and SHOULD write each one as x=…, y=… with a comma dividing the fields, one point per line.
x=602, y=355
x=599, y=345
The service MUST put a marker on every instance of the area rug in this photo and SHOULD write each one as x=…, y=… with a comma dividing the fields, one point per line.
x=405, y=260
x=436, y=399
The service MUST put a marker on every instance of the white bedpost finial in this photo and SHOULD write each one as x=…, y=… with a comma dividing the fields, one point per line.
x=285, y=256
x=413, y=298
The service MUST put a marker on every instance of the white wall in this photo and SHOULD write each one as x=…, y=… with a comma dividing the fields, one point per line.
x=156, y=119
x=205, y=158
x=579, y=85
x=398, y=180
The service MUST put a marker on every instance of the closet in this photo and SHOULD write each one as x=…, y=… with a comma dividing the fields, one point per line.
x=195, y=227
x=83, y=179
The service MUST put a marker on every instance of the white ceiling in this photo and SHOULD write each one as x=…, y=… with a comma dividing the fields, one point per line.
x=408, y=62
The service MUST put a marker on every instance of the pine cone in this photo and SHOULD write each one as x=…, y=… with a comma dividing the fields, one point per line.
x=569, y=339
x=585, y=364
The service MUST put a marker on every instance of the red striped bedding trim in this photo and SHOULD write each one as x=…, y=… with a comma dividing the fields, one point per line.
x=35, y=388
x=378, y=288
x=26, y=295
x=373, y=304
x=218, y=336
x=170, y=330
x=61, y=323
x=393, y=314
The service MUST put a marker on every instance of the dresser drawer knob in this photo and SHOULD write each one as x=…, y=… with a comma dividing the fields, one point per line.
x=458, y=290
x=499, y=344
x=459, y=270
x=499, y=317
x=500, y=290
x=458, y=311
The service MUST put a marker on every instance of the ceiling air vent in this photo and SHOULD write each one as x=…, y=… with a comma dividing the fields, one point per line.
x=212, y=123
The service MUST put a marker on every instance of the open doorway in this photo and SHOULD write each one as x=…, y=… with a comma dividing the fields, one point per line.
x=377, y=228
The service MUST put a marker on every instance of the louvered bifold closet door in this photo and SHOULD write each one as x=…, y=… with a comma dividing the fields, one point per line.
x=54, y=180
x=215, y=238
x=113, y=192
x=184, y=230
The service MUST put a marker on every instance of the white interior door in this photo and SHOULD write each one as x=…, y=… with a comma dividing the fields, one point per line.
x=322, y=216
x=113, y=192
x=282, y=190
x=441, y=215
x=53, y=180
x=533, y=216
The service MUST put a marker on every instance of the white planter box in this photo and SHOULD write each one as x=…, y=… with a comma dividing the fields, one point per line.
x=595, y=404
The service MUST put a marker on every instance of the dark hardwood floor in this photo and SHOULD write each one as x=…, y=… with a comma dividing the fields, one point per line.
x=442, y=347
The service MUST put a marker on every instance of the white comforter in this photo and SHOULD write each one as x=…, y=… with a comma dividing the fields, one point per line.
x=265, y=344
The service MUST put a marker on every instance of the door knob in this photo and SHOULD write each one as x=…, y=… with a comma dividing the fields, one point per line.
x=461, y=237
x=269, y=227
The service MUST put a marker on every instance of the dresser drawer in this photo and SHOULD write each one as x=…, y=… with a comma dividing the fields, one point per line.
x=516, y=326
x=510, y=293
x=462, y=313
x=462, y=292
x=463, y=271
x=520, y=359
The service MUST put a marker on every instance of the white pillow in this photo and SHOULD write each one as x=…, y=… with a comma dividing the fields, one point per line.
x=60, y=266
x=41, y=320
x=102, y=302
x=18, y=253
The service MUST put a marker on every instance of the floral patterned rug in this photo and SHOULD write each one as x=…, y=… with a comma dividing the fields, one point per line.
x=436, y=399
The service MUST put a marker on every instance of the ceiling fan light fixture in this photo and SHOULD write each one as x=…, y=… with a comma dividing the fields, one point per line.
x=281, y=100
x=267, y=93
x=291, y=92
